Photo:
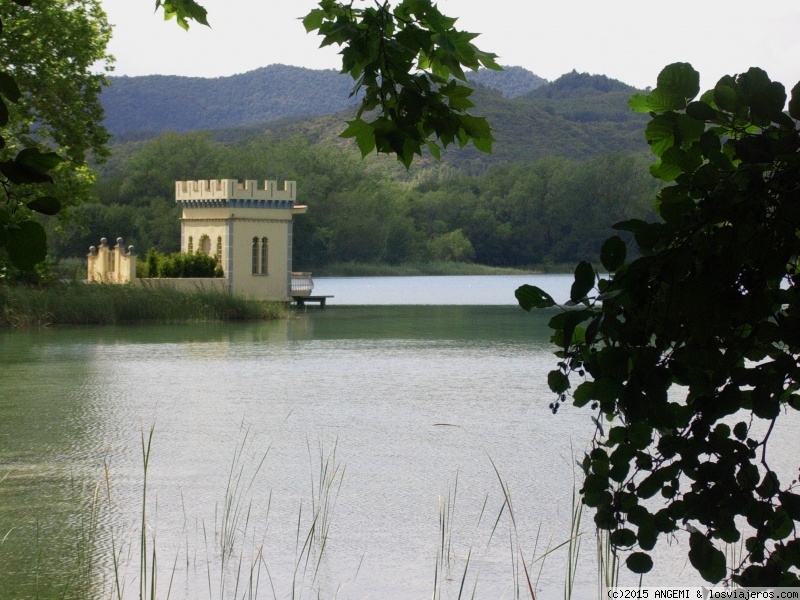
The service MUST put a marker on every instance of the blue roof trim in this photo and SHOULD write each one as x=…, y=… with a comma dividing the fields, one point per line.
x=237, y=203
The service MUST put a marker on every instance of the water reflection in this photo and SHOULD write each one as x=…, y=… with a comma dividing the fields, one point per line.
x=410, y=397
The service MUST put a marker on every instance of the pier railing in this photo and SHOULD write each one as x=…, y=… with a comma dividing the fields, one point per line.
x=302, y=284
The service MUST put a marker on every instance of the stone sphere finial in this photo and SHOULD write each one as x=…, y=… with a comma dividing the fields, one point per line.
x=131, y=250
x=103, y=242
x=92, y=250
x=119, y=241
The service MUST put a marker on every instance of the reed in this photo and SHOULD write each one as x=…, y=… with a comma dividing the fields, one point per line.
x=82, y=304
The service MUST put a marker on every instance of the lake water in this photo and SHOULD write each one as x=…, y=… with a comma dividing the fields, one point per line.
x=390, y=416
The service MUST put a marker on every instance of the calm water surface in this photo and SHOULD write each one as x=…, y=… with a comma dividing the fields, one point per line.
x=415, y=410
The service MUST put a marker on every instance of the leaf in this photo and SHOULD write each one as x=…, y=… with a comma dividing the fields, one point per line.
x=583, y=394
x=725, y=97
x=632, y=225
x=624, y=538
x=681, y=82
x=613, y=253
x=47, y=205
x=639, y=103
x=639, y=562
x=794, y=102
x=593, y=328
x=9, y=87
x=701, y=111
x=41, y=161
x=557, y=381
x=26, y=245
x=20, y=173
x=363, y=132
x=660, y=133
x=313, y=20
x=708, y=560
x=530, y=296
x=790, y=502
x=584, y=281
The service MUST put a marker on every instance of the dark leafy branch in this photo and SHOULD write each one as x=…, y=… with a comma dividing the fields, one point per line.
x=407, y=61
x=23, y=239
x=686, y=350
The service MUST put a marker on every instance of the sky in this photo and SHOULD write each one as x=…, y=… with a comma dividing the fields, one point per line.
x=623, y=39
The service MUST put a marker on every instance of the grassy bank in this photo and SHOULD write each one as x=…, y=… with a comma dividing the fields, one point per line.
x=355, y=269
x=82, y=304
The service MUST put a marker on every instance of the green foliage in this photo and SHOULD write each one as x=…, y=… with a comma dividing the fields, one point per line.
x=407, y=60
x=81, y=304
x=452, y=246
x=180, y=265
x=697, y=334
x=183, y=11
x=516, y=215
x=577, y=116
x=48, y=98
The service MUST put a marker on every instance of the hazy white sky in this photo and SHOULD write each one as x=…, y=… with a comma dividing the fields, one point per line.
x=624, y=39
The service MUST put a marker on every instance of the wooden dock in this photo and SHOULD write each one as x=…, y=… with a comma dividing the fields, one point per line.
x=303, y=300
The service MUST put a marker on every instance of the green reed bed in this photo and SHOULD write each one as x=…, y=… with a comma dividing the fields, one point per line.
x=82, y=304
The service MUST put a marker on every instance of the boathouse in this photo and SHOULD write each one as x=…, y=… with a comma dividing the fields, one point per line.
x=247, y=228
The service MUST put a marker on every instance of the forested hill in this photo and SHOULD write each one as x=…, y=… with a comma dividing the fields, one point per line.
x=577, y=116
x=511, y=81
x=156, y=103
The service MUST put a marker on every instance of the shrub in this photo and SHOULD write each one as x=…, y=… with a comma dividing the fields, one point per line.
x=178, y=265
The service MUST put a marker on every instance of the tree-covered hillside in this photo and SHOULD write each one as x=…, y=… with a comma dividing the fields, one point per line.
x=577, y=116
x=156, y=103
x=586, y=121
x=511, y=81
x=170, y=103
x=554, y=210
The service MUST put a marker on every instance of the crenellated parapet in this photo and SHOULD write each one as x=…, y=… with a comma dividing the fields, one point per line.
x=232, y=193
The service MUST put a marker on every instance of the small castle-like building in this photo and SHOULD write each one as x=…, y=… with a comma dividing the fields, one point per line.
x=248, y=229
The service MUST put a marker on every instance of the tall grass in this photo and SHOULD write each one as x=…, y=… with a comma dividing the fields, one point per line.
x=237, y=545
x=525, y=573
x=81, y=304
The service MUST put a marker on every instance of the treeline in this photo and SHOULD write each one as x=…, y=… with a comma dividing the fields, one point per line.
x=553, y=210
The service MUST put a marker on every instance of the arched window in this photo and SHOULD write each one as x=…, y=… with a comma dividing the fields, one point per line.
x=255, y=256
x=190, y=247
x=264, y=255
x=219, y=250
x=204, y=245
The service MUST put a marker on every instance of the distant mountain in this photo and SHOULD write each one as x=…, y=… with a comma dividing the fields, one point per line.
x=586, y=121
x=511, y=81
x=576, y=116
x=155, y=103
x=580, y=85
x=158, y=103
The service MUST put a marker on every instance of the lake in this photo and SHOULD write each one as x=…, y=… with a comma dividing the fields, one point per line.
x=333, y=454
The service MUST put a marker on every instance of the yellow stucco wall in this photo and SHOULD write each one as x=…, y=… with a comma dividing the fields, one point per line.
x=226, y=219
x=232, y=215
x=107, y=264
